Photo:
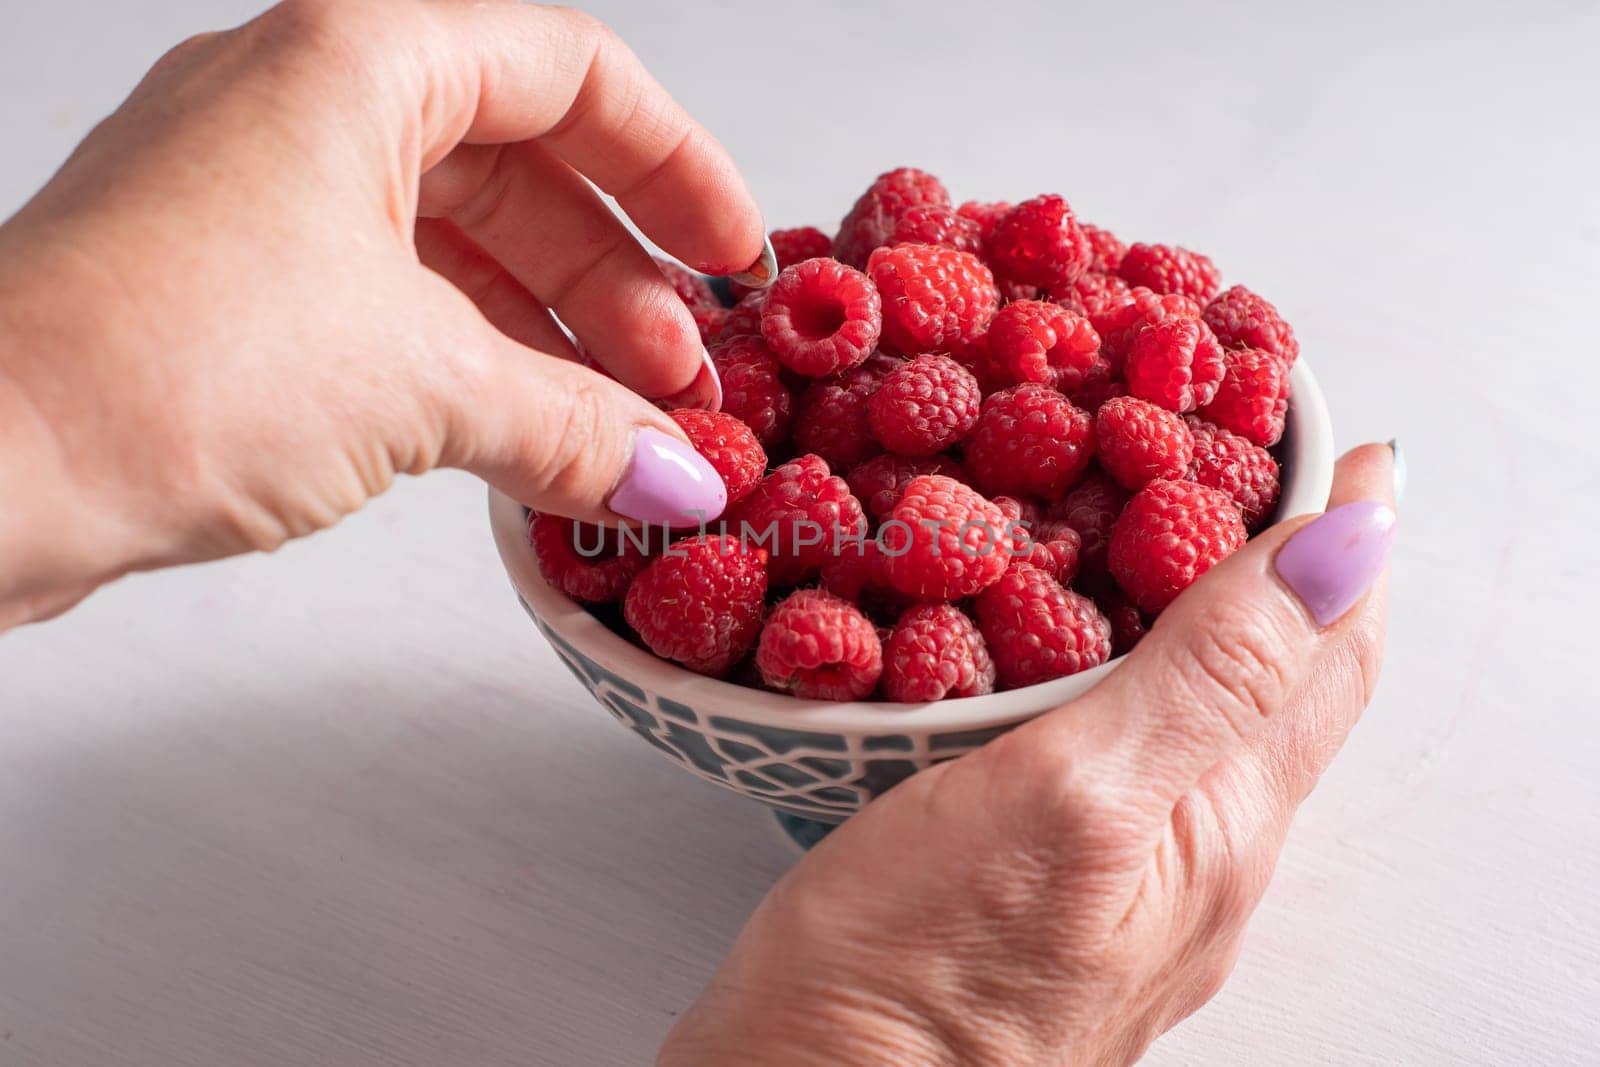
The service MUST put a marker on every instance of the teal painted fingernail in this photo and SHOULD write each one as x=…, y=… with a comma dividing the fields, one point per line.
x=1399, y=469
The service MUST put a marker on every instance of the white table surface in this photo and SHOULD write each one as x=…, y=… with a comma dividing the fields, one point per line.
x=341, y=806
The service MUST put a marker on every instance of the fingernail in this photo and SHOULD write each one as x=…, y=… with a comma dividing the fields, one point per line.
x=1331, y=562
x=1399, y=469
x=705, y=392
x=666, y=481
x=706, y=389
x=763, y=272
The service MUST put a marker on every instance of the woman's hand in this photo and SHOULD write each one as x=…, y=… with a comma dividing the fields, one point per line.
x=218, y=325
x=324, y=248
x=1078, y=886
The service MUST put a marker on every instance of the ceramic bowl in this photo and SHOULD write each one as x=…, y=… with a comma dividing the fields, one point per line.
x=822, y=760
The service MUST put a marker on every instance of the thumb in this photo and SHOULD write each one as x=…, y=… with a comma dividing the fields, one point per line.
x=562, y=438
x=1231, y=651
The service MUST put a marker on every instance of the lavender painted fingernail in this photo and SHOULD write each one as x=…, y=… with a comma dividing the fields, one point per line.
x=666, y=481
x=763, y=272
x=1332, y=561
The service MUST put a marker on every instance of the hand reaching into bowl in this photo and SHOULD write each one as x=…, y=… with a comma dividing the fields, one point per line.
x=325, y=248
x=218, y=325
x=1081, y=884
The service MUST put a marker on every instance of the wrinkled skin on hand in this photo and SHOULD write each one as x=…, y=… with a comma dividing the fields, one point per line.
x=323, y=249
x=1078, y=886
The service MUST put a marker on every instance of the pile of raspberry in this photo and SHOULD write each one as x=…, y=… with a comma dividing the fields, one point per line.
x=967, y=448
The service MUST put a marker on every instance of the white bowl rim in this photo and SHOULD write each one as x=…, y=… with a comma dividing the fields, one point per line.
x=1309, y=432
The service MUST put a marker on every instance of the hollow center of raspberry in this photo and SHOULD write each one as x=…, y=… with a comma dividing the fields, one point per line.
x=818, y=319
x=832, y=674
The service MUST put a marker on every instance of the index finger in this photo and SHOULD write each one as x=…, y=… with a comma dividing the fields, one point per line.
x=515, y=72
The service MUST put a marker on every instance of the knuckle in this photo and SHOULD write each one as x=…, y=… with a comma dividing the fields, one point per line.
x=186, y=50
x=487, y=202
x=308, y=20
x=1201, y=980
x=1233, y=898
x=1214, y=976
x=1082, y=811
x=1233, y=659
x=583, y=24
x=566, y=468
x=1231, y=884
x=347, y=30
x=1366, y=650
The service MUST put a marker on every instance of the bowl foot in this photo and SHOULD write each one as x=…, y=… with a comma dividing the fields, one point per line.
x=802, y=831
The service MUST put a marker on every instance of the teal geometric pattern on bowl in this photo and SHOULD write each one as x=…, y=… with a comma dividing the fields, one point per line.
x=821, y=776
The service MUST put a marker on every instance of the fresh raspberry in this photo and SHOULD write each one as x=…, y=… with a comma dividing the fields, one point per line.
x=1241, y=319
x=934, y=652
x=800, y=243
x=1245, y=471
x=1169, y=269
x=879, y=481
x=728, y=444
x=1177, y=364
x=1127, y=624
x=1035, y=341
x=1024, y=511
x=934, y=224
x=1048, y=529
x=1099, y=385
x=1036, y=630
x=925, y=406
x=1168, y=536
x=1039, y=242
x=700, y=603
x=1029, y=441
x=791, y=247
x=872, y=220
x=1097, y=293
x=821, y=317
x=711, y=322
x=943, y=541
x=589, y=563
x=744, y=318
x=832, y=416
x=1120, y=323
x=1063, y=298
x=800, y=513
x=692, y=288
x=820, y=647
x=1058, y=556
x=1253, y=398
x=752, y=388
x=1138, y=442
x=985, y=213
x=697, y=296
x=1091, y=509
x=1010, y=290
x=855, y=570
x=1105, y=249
x=933, y=298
